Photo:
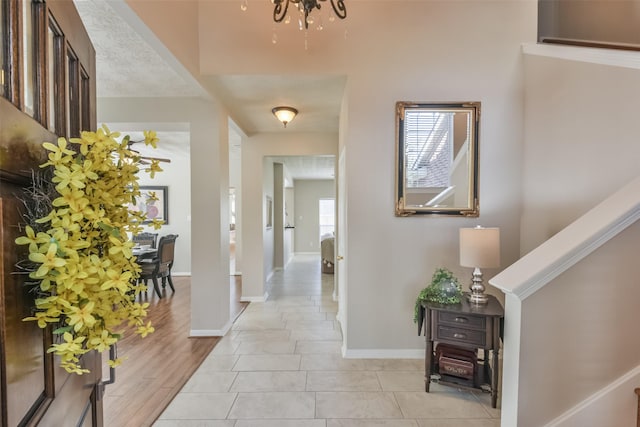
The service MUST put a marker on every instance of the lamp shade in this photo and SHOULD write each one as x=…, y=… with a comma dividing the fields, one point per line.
x=284, y=114
x=480, y=247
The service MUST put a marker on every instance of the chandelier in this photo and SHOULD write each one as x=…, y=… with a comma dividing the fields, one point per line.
x=305, y=7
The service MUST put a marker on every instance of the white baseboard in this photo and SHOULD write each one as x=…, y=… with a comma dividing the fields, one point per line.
x=211, y=332
x=383, y=353
x=307, y=253
x=181, y=273
x=255, y=299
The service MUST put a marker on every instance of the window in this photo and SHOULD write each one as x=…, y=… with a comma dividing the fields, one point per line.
x=55, y=95
x=327, y=216
x=28, y=53
x=73, y=97
x=85, y=100
x=4, y=38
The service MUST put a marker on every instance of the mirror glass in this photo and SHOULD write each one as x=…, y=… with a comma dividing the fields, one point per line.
x=437, y=158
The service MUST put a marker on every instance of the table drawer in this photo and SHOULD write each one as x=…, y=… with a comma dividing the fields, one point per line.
x=458, y=319
x=462, y=336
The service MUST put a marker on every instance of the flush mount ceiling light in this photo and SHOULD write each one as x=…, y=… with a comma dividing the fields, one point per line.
x=284, y=114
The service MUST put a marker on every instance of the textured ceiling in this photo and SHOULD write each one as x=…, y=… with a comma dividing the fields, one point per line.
x=127, y=65
x=130, y=62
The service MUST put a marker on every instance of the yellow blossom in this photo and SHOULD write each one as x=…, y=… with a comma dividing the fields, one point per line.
x=48, y=260
x=120, y=246
x=153, y=168
x=70, y=343
x=115, y=363
x=84, y=264
x=65, y=176
x=150, y=138
x=72, y=198
x=73, y=368
x=103, y=342
x=32, y=239
x=157, y=223
x=59, y=154
x=143, y=331
x=117, y=280
x=84, y=144
x=81, y=317
x=42, y=317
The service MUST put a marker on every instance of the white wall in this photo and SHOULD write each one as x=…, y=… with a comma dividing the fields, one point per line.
x=307, y=199
x=174, y=146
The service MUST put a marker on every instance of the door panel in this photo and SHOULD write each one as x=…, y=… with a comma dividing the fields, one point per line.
x=33, y=389
x=25, y=360
x=341, y=249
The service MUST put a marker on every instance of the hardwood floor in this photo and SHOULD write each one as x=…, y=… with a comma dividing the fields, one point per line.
x=156, y=367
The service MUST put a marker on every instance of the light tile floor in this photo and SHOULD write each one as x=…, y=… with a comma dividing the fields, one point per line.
x=281, y=366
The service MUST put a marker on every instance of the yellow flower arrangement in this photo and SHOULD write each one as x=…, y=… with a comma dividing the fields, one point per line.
x=80, y=262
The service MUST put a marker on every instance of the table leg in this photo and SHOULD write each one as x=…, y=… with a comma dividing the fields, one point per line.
x=428, y=357
x=494, y=379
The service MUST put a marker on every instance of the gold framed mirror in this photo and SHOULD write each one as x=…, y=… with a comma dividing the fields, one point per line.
x=437, y=158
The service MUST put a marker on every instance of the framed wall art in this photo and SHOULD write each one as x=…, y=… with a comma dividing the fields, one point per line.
x=154, y=200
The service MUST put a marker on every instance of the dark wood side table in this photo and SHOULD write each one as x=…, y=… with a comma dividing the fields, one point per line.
x=469, y=326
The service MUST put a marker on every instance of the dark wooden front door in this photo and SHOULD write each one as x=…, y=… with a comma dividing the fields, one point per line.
x=57, y=98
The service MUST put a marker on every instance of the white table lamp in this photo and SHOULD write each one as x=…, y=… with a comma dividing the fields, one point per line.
x=479, y=248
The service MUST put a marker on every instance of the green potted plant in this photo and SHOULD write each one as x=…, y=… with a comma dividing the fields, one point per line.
x=443, y=289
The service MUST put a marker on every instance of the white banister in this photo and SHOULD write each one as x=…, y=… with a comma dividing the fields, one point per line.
x=541, y=266
x=576, y=241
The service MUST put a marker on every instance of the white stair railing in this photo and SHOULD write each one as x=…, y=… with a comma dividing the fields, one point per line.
x=541, y=266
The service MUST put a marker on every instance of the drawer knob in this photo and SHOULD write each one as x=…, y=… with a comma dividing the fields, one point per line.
x=461, y=319
x=460, y=336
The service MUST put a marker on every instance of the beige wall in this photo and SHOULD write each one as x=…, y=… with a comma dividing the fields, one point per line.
x=307, y=198
x=391, y=259
x=257, y=182
x=575, y=335
x=581, y=140
x=429, y=51
x=580, y=147
x=427, y=56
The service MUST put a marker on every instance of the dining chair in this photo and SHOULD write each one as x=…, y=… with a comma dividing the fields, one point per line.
x=145, y=239
x=160, y=266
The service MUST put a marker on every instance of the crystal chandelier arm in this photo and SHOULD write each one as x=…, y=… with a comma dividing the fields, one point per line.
x=339, y=8
x=279, y=12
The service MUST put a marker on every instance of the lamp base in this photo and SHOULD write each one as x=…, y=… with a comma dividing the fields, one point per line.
x=478, y=299
x=477, y=295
